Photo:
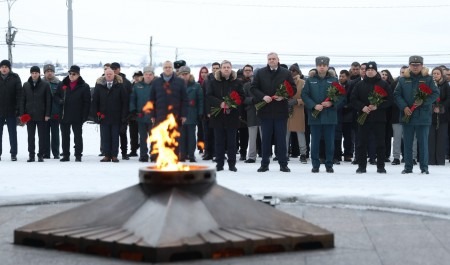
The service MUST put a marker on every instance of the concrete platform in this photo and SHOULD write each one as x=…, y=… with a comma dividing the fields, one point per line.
x=362, y=237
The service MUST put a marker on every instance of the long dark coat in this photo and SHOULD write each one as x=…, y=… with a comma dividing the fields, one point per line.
x=37, y=100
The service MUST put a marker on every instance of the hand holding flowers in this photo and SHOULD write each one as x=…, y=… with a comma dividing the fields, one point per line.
x=334, y=92
x=231, y=101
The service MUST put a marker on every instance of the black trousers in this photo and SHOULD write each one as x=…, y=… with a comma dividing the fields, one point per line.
x=52, y=138
x=31, y=129
x=134, y=135
x=77, y=129
x=378, y=130
x=242, y=139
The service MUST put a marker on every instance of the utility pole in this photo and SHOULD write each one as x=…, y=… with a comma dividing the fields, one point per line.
x=69, y=32
x=176, y=54
x=151, y=46
x=10, y=35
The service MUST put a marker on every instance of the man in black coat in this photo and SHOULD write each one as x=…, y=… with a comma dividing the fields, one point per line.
x=74, y=96
x=10, y=100
x=376, y=116
x=274, y=115
x=37, y=100
x=110, y=107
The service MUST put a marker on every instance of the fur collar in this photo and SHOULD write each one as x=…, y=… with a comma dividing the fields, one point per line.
x=218, y=76
x=102, y=80
x=425, y=72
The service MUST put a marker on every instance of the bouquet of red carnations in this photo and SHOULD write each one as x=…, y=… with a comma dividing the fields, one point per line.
x=376, y=97
x=423, y=92
x=334, y=92
x=231, y=101
x=285, y=90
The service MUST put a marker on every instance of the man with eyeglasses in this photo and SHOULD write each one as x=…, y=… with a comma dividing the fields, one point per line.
x=419, y=119
x=74, y=96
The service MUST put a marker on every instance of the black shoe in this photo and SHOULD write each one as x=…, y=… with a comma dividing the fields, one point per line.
x=284, y=169
x=125, y=157
x=64, y=159
x=361, y=170
x=56, y=157
x=143, y=159
x=336, y=161
x=275, y=159
x=219, y=168
x=414, y=162
x=406, y=171
x=330, y=170
x=263, y=169
x=46, y=157
x=396, y=161
x=106, y=159
x=303, y=159
x=13, y=158
x=31, y=159
x=114, y=159
x=387, y=160
x=315, y=170
x=381, y=170
x=425, y=172
x=133, y=154
x=355, y=162
x=250, y=161
x=207, y=157
x=242, y=158
x=232, y=168
x=372, y=161
x=78, y=159
x=40, y=159
x=192, y=160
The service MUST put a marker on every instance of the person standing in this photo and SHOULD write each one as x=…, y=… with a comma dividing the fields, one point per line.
x=314, y=94
x=376, y=116
x=195, y=112
x=10, y=101
x=132, y=123
x=226, y=122
x=296, y=121
x=439, y=126
x=52, y=133
x=275, y=113
x=419, y=119
x=168, y=95
x=242, y=133
x=36, y=103
x=110, y=106
x=115, y=66
x=74, y=96
x=253, y=122
x=138, y=98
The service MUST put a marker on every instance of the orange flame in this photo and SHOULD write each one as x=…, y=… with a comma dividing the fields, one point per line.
x=164, y=142
x=148, y=107
x=201, y=145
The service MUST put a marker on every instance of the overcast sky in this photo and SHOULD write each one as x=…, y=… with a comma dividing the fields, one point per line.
x=242, y=31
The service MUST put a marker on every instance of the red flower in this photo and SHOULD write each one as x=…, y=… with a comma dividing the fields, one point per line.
x=140, y=115
x=380, y=91
x=334, y=92
x=25, y=118
x=285, y=90
x=419, y=98
x=375, y=98
x=340, y=88
x=166, y=85
x=438, y=100
x=289, y=88
x=100, y=116
x=64, y=87
x=236, y=98
x=55, y=116
x=425, y=89
x=192, y=103
x=231, y=101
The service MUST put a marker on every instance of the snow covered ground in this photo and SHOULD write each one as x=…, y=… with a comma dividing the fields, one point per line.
x=22, y=182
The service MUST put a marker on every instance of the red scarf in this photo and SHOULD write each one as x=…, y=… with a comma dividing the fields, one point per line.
x=73, y=84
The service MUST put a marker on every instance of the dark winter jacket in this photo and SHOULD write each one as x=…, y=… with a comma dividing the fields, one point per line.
x=315, y=92
x=395, y=112
x=348, y=112
x=216, y=91
x=75, y=104
x=56, y=108
x=112, y=103
x=360, y=98
x=37, y=99
x=10, y=95
x=168, y=97
x=138, y=98
x=195, y=98
x=265, y=83
x=444, y=103
x=405, y=92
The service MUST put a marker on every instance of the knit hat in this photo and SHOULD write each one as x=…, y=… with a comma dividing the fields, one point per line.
x=294, y=68
x=49, y=67
x=416, y=59
x=74, y=69
x=5, y=63
x=35, y=69
x=372, y=65
x=184, y=69
x=149, y=69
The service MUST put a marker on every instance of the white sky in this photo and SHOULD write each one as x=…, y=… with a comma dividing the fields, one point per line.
x=22, y=182
x=242, y=31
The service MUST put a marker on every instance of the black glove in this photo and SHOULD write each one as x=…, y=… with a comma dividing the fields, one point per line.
x=123, y=128
x=292, y=102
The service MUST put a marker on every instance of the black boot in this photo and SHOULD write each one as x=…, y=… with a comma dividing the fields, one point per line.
x=31, y=159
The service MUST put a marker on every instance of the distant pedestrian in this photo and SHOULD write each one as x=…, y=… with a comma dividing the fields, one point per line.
x=52, y=134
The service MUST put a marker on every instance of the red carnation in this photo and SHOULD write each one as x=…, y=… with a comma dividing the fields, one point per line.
x=289, y=88
x=192, y=103
x=425, y=89
x=55, y=116
x=140, y=115
x=64, y=87
x=166, y=85
x=236, y=98
x=25, y=118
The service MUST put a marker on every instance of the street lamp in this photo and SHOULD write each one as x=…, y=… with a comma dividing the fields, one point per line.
x=10, y=35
